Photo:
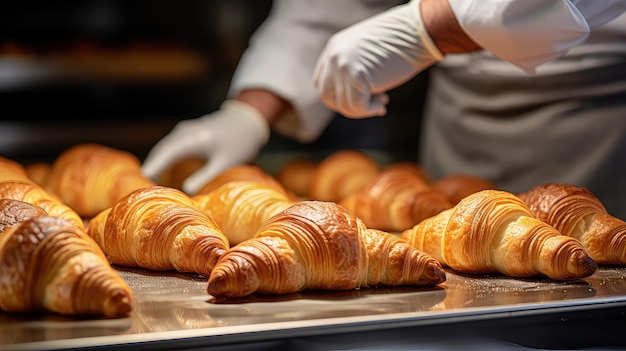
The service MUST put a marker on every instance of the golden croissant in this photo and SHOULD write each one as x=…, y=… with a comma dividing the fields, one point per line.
x=295, y=175
x=159, y=228
x=13, y=212
x=38, y=172
x=494, y=231
x=48, y=264
x=340, y=174
x=91, y=177
x=319, y=245
x=245, y=172
x=457, y=186
x=411, y=167
x=240, y=207
x=11, y=170
x=175, y=175
x=395, y=200
x=34, y=194
x=577, y=212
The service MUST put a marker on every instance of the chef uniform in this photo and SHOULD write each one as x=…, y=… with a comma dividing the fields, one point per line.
x=545, y=100
x=522, y=112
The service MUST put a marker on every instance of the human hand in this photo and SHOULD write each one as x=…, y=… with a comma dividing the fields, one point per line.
x=362, y=62
x=232, y=135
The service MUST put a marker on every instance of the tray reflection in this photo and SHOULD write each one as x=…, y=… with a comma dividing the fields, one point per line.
x=171, y=301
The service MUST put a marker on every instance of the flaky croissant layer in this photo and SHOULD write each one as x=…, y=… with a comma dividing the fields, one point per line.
x=34, y=194
x=319, y=245
x=240, y=207
x=395, y=200
x=575, y=211
x=493, y=231
x=159, y=228
x=48, y=264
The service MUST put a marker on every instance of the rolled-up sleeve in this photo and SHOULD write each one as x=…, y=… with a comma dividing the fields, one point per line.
x=528, y=33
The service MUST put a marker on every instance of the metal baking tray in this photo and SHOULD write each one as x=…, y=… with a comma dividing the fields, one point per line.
x=176, y=307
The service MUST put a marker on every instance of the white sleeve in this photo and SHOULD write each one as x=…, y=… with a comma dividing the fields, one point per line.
x=528, y=33
x=282, y=54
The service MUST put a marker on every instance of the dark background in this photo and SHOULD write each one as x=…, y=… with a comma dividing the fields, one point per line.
x=54, y=91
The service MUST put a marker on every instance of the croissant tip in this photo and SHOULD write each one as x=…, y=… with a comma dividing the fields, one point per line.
x=119, y=304
x=216, y=283
x=586, y=264
x=436, y=273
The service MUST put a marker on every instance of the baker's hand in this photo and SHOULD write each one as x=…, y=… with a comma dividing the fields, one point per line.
x=362, y=62
x=232, y=135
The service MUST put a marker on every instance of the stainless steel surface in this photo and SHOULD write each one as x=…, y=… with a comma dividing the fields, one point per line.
x=174, y=306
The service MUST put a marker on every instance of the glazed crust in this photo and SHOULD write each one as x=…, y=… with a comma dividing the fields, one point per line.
x=319, y=245
x=575, y=211
x=159, y=228
x=493, y=231
x=48, y=264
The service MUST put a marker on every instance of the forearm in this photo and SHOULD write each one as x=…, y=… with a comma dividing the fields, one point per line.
x=444, y=29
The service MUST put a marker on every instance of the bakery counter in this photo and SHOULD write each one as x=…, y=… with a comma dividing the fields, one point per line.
x=174, y=311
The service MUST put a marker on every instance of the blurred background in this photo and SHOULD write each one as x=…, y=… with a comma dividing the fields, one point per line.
x=122, y=73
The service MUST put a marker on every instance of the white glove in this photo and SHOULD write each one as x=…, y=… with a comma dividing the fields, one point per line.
x=362, y=62
x=232, y=135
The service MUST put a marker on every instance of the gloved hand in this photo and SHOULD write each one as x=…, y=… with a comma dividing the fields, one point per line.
x=232, y=135
x=362, y=62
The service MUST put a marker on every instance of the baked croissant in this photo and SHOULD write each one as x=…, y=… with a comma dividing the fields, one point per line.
x=395, y=200
x=38, y=172
x=13, y=212
x=493, y=231
x=11, y=170
x=409, y=166
x=34, y=194
x=91, y=177
x=457, y=186
x=48, y=264
x=340, y=174
x=240, y=207
x=295, y=175
x=244, y=172
x=319, y=245
x=577, y=212
x=158, y=228
x=175, y=175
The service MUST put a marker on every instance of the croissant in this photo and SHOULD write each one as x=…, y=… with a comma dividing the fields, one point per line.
x=319, y=245
x=295, y=175
x=13, y=212
x=240, y=207
x=243, y=172
x=577, y=212
x=494, y=231
x=176, y=174
x=340, y=174
x=395, y=200
x=38, y=172
x=34, y=194
x=91, y=177
x=158, y=228
x=12, y=170
x=48, y=264
x=409, y=166
x=457, y=186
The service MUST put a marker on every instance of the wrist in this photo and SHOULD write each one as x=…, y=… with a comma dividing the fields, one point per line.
x=269, y=105
x=444, y=29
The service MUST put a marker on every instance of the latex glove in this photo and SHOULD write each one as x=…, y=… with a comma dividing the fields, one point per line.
x=362, y=62
x=232, y=135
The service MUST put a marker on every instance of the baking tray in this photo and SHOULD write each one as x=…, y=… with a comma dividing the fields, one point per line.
x=175, y=308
